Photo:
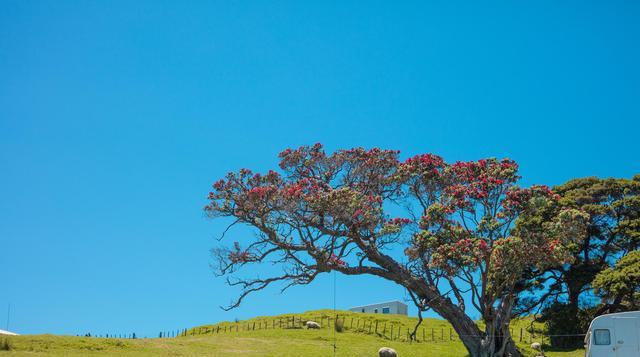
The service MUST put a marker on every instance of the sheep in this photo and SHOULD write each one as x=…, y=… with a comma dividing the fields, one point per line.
x=312, y=324
x=387, y=352
x=536, y=346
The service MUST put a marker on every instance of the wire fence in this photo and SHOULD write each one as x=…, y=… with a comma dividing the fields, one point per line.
x=392, y=331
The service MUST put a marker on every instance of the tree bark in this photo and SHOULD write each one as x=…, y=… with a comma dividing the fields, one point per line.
x=495, y=341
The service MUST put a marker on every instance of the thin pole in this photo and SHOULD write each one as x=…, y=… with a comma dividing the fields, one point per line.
x=334, y=314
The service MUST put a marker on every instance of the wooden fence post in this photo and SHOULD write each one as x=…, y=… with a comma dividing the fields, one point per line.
x=376, y=327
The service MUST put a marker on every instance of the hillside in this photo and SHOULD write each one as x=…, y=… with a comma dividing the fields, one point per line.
x=278, y=336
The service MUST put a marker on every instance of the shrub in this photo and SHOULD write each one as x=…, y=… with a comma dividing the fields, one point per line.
x=5, y=345
x=339, y=325
x=566, y=323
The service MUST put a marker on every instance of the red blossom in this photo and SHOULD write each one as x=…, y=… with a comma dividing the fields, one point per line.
x=357, y=214
x=238, y=255
x=218, y=185
x=334, y=260
x=399, y=221
x=260, y=191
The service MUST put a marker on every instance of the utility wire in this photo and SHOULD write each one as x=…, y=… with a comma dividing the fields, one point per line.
x=8, y=315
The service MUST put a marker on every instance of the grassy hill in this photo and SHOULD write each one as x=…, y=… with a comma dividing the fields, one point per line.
x=280, y=336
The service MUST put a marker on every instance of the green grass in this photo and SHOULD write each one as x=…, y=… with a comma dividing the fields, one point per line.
x=288, y=340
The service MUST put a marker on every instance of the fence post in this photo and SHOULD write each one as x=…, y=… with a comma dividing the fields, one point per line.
x=520, y=334
x=399, y=332
x=376, y=327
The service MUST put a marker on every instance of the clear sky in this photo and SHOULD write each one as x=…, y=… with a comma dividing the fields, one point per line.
x=116, y=116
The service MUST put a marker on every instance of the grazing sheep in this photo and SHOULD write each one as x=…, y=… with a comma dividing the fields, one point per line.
x=387, y=352
x=536, y=346
x=312, y=324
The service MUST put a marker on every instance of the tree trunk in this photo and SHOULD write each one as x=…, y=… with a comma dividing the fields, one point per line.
x=495, y=341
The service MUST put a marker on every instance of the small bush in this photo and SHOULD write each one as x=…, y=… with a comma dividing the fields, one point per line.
x=566, y=323
x=339, y=325
x=5, y=345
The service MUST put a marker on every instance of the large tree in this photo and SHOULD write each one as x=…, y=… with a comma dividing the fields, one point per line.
x=454, y=242
x=613, y=230
x=619, y=286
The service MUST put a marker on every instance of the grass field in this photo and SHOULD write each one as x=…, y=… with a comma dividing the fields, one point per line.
x=262, y=339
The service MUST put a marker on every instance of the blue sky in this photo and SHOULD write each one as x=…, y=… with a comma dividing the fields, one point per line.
x=115, y=118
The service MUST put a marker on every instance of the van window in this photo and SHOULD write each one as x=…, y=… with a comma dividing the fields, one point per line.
x=601, y=337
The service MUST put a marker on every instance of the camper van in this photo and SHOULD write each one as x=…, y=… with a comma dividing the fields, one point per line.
x=614, y=335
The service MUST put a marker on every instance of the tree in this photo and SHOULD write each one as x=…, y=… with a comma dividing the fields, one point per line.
x=613, y=229
x=619, y=286
x=331, y=212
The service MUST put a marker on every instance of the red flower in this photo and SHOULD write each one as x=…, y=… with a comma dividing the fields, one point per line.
x=334, y=260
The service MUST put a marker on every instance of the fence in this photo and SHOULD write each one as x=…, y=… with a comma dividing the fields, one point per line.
x=392, y=331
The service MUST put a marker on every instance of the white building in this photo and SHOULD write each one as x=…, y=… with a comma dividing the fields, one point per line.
x=391, y=307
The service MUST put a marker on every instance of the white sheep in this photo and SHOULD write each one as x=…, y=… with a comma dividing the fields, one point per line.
x=387, y=352
x=312, y=324
x=536, y=346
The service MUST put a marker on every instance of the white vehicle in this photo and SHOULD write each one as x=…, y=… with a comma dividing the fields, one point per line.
x=614, y=335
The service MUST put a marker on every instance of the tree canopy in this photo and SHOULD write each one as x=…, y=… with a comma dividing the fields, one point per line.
x=620, y=285
x=613, y=230
x=455, y=227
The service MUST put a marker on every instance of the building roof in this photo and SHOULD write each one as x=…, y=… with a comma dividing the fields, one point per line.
x=381, y=303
